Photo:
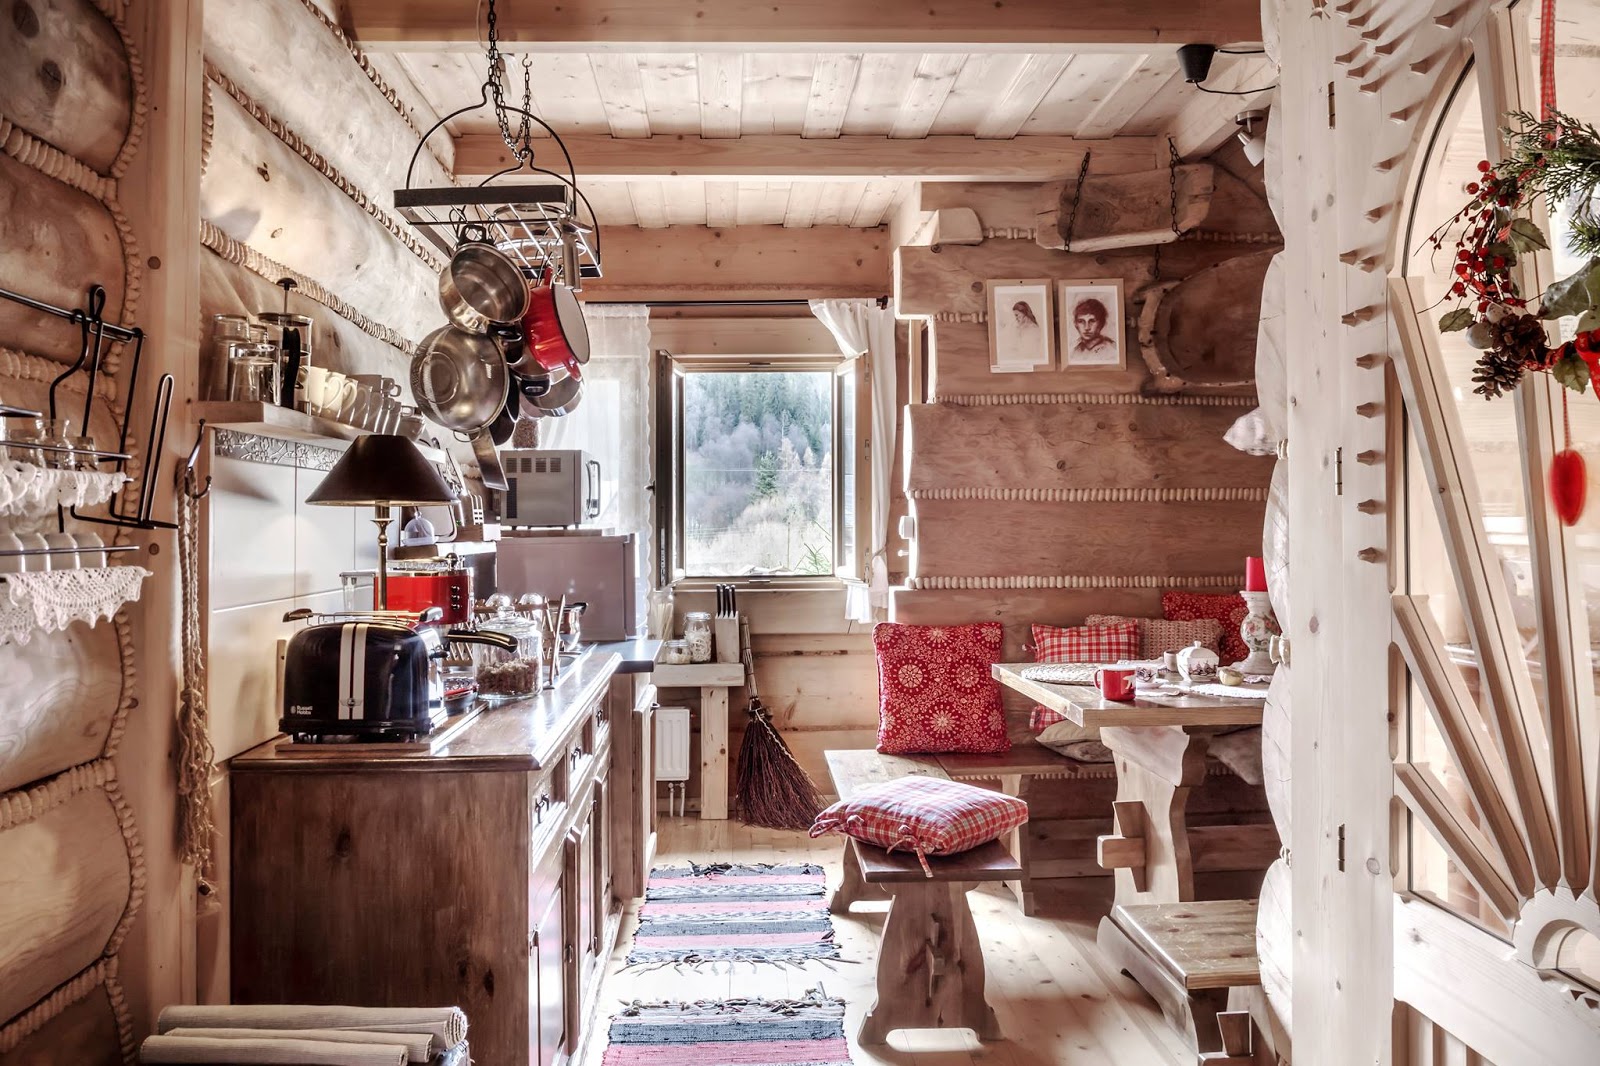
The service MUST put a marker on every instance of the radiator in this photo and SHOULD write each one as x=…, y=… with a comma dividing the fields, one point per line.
x=672, y=754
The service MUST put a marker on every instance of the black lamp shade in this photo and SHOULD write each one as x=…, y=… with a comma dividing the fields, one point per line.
x=382, y=468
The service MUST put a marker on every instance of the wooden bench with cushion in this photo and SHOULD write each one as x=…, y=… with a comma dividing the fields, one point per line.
x=930, y=962
x=1187, y=956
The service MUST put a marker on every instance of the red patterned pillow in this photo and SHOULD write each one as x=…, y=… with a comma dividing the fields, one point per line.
x=927, y=815
x=1086, y=644
x=1159, y=635
x=936, y=692
x=1228, y=608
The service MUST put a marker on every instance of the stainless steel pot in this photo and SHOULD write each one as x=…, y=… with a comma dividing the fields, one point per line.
x=460, y=381
x=563, y=397
x=482, y=287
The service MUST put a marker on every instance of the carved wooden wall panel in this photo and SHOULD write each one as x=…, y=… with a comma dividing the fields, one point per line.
x=65, y=78
x=61, y=693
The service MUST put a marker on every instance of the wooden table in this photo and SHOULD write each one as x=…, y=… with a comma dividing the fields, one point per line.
x=1160, y=743
x=713, y=680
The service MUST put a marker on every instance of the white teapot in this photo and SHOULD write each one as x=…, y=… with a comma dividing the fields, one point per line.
x=1198, y=663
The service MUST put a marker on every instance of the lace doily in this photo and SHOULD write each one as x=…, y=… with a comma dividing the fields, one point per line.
x=49, y=601
x=1230, y=692
x=1062, y=673
x=29, y=489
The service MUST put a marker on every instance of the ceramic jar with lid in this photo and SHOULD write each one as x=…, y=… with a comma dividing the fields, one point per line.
x=697, y=631
x=1198, y=663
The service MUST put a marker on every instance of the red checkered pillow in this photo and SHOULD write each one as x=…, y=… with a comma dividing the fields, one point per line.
x=927, y=815
x=936, y=692
x=1229, y=609
x=1159, y=635
x=1086, y=644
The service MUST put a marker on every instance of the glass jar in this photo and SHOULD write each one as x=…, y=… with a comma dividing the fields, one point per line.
x=504, y=675
x=227, y=331
x=697, y=631
x=675, y=653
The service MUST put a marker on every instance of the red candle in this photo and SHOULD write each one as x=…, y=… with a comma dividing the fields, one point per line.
x=1255, y=575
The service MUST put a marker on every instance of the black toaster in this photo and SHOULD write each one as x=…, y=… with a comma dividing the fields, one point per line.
x=374, y=675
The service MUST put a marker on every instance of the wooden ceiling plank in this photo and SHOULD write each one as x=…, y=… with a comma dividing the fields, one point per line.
x=671, y=86
x=685, y=202
x=1026, y=90
x=1206, y=120
x=936, y=158
x=622, y=93
x=973, y=93
x=611, y=203
x=721, y=79
x=722, y=203
x=1082, y=87
x=1038, y=25
x=448, y=80
x=649, y=203
x=777, y=90
x=1143, y=80
x=935, y=76
x=878, y=197
x=884, y=81
x=566, y=96
x=831, y=88
x=804, y=196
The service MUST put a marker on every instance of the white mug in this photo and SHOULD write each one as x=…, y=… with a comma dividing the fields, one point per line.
x=310, y=389
x=10, y=564
x=34, y=542
x=63, y=560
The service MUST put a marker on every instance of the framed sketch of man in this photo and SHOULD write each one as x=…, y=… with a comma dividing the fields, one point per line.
x=1021, y=326
x=1092, y=333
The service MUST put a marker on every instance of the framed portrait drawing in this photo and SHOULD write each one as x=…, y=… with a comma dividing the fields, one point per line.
x=1093, y=332
x=1021, y=327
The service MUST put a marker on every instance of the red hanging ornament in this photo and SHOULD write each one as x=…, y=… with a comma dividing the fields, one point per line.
x=1569, y=485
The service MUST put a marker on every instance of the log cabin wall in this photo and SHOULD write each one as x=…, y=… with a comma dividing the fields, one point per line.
x=74, y=933
x=294, y=187
x=1051, y=495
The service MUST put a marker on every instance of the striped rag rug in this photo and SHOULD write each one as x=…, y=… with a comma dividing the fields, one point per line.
x=759, y=913
x=731, y=1032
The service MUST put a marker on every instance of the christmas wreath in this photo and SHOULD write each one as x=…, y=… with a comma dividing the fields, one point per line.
x=1557, y=159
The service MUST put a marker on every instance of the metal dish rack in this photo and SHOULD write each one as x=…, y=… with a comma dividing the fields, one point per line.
x=95, y=332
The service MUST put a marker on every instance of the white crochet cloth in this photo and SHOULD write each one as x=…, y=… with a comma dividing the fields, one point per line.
x=49, y=601
x=29, y=489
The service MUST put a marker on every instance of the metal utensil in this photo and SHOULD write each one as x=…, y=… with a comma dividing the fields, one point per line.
x=482, y=286
x=460, y=381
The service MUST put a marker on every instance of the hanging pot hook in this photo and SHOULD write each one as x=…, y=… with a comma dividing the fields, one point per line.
x=189, y=467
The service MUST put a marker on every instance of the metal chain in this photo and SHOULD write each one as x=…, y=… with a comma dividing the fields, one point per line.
x=525, y=127
x=496, y=82
x=1172, y=202
x=1077, y=198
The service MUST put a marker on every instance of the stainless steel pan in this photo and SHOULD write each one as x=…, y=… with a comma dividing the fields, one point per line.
x=482, y=287
x=563, y=397
x=460, y=381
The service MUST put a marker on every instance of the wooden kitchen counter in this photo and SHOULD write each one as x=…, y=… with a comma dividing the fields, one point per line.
x=521, y=734
x=473, y=869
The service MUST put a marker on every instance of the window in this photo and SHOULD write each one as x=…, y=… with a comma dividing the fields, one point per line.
x=764, y=478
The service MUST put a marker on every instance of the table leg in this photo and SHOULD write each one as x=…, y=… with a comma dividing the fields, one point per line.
x=930, y=966
x=1157, y=767
x=714, y=753
x=852, y=889
x=1017, y=843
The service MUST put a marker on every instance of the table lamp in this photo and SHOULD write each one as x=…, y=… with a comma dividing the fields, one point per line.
x=381, y=471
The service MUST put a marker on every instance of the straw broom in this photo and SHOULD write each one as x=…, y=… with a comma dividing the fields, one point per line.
x=774, y=790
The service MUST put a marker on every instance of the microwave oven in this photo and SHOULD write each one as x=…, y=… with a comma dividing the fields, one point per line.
x=548, y=487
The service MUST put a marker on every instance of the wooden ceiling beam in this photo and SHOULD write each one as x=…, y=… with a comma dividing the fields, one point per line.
x=815, y=25
x=1207, y=120
x=788, y=158
x=740, y=263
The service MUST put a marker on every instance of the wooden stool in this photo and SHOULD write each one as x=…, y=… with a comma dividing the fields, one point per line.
x=930, y=962
x=1187, y=956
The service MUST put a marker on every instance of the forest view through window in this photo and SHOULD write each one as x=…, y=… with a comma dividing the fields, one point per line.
x=758, y=473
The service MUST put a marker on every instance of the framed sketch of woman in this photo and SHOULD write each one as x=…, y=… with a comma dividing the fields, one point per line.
x=1092, y=328
x=1021, y=326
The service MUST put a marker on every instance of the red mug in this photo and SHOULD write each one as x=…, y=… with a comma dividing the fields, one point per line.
x=1114, y=682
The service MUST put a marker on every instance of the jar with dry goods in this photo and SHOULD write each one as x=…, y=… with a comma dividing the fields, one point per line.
x=504, y=675
x=697, y=631
x=675, y=653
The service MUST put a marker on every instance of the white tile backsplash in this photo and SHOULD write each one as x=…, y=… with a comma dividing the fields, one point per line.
x=324, y=539
x=252, y=533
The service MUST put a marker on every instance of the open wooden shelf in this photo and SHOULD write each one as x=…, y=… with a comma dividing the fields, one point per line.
x=699, y=675
x=285, y=423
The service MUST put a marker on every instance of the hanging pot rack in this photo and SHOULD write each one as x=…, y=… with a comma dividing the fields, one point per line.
x=549, y=228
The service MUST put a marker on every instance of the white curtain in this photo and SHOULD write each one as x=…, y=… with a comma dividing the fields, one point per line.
x=614, y=424
x=862, y=328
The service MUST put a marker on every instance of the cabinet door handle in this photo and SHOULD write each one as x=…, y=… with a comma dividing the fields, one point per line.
x=577, y=753
x=540, y=807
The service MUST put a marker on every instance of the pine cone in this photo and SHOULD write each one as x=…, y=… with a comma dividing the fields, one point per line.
x=1496, y=373
x=1518, y=342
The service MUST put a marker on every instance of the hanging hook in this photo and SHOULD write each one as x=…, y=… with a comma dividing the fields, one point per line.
x=189, y=467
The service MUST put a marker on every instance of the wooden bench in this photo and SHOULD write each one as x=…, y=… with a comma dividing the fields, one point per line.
x=1069, y=805
x=1187, y=956
x=930, y=962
